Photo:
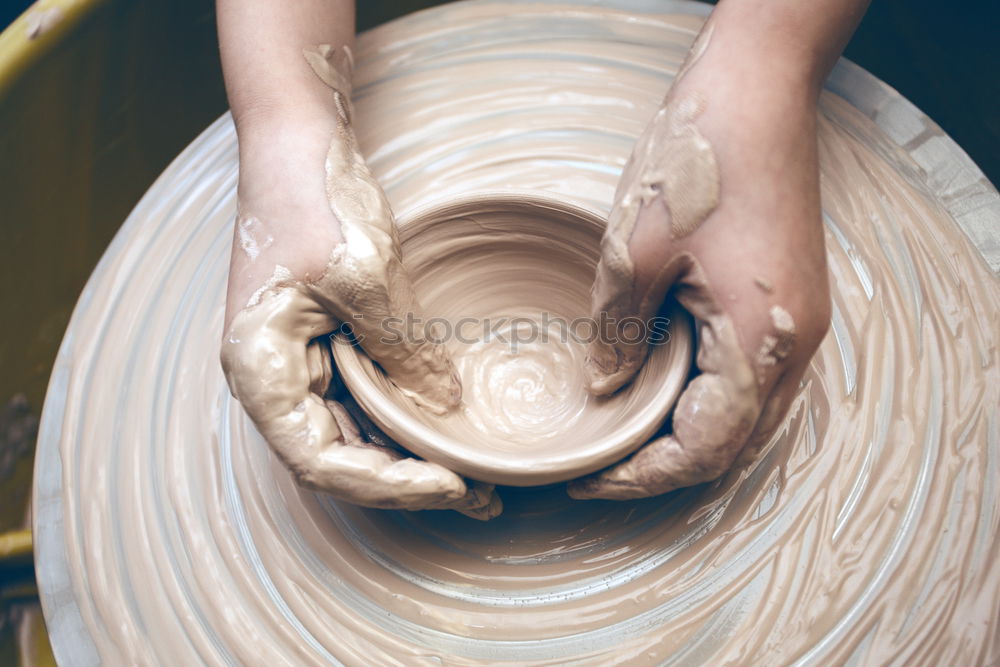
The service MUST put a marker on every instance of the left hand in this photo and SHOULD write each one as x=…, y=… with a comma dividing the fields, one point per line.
x=314, y=219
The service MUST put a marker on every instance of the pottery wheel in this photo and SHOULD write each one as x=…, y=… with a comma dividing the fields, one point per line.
x=867, y=532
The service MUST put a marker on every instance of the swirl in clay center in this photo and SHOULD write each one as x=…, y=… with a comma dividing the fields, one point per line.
x=867, y=533
x=525, y=395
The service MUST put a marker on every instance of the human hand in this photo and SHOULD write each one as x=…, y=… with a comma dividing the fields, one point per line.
x=315, y=248
x=719, y=201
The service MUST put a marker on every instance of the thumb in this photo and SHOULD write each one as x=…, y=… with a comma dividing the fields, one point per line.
x=669, y=186
x=633, y=275
x=365, y=283
x=368, y=287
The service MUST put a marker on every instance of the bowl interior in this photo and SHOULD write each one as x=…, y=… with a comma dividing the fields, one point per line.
x=505, y=285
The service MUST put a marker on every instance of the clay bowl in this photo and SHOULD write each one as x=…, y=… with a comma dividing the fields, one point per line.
x=520, y=268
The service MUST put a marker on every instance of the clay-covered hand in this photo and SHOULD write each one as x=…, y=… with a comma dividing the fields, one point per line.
x=720, y=203
x=315, y=247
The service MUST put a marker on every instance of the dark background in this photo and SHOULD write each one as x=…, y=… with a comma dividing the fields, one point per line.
x=943, y=57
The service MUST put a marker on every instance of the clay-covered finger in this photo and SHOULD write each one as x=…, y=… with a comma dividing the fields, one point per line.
x=319, y=363
x=670, y=463
x=668, y=188
x=269, y=370
x=734, y=405
x=266, y=357
x=365, y=284
x=368, y=429
x=773, y=413
x=348, y=428
x=482, y=502
x=396, y=480
x=614, y=359
x=421, y=491
x=712, y=421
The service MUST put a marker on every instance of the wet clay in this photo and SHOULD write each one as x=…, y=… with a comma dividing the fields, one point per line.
x=168, y=532
x=507, y=281
x=776, y=345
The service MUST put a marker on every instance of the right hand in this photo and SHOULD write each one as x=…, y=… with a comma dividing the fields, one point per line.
x=737, y=234
x=315, y=246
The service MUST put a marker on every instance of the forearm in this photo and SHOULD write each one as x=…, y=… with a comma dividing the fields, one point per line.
x=798, y=41
x=261, y=43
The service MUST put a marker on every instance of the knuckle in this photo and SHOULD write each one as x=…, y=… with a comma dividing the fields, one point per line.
x=816, y=320
x=228, y=355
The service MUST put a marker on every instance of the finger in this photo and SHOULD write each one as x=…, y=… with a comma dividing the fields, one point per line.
x=319, y=364
x=739, y=398
x=366, y=286
x=713, y=419
x=355, y=425
x=396, y=481
x=369, y=430
x=365, y=283
x=348, y=428
x=482, y=502
x=669, y=186
x=631, y=282
x=773, y=414
x=488, y=511
x=266, y=359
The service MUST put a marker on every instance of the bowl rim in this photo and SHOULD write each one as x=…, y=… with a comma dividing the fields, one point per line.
x=494, y=467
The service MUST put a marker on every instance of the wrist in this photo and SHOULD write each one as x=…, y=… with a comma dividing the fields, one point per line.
x=282, y=154
x=276, y=135
x=795, y=42
x=262, y=122
x=738, y=71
